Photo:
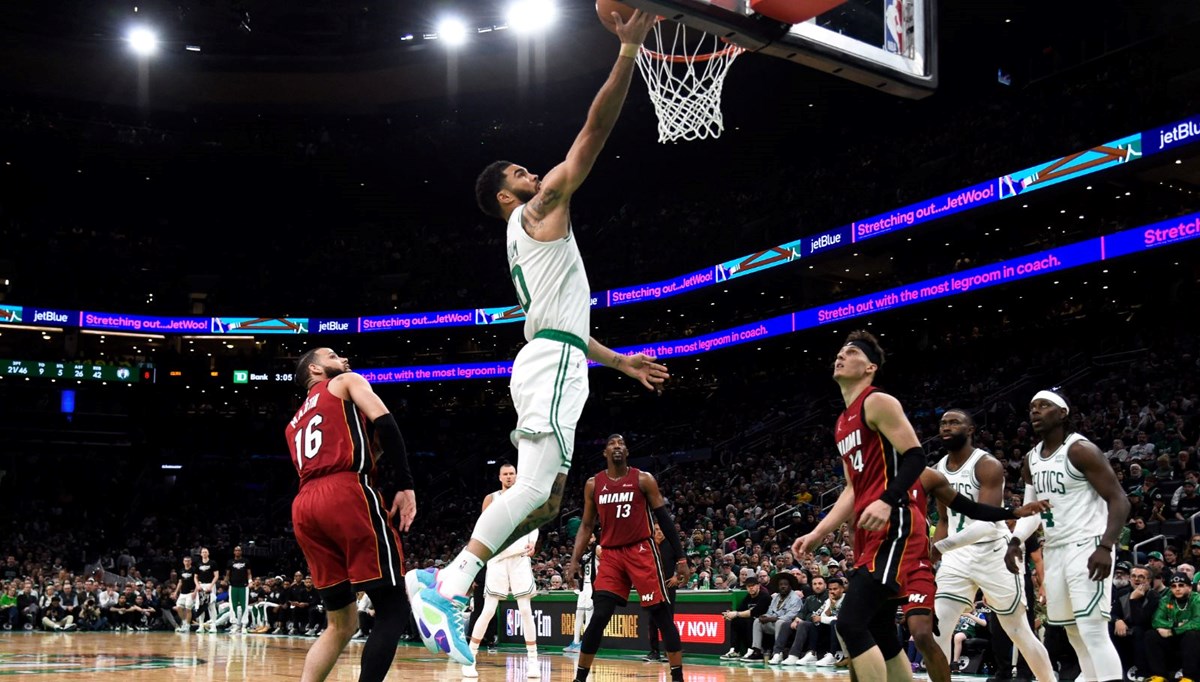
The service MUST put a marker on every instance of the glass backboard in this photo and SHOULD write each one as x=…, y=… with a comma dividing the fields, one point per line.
x=890, y=45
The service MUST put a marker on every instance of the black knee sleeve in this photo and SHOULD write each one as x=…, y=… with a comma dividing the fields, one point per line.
x=663, y=616
x=605, y=605
x=883, y=630
x=866, y=608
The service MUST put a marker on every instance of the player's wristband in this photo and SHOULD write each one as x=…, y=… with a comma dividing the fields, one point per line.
x=1105, y=547
x=630, y=50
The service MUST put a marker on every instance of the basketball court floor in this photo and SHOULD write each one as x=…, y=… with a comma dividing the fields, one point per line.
x=171, y=657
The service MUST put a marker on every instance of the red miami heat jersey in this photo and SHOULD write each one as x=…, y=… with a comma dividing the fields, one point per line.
x=872, y=462
x=328, y=435
x=621, y=509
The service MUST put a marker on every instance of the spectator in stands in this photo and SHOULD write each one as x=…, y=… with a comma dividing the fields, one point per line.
x=107, y=600
x=1158, y=508
x=121, y=614
x=27, y=605
x=141, y=614
x=971, y=625
x=1189, y=501
x=1170, y=559
x=748, y=523
x=1135, y=479
x=1164, y=471
x=1138, y=533
x=785, y=604
x=69, y=600
x=754, y=604
x=9, y=613
x=1175, y=638
x=1118, y=453
x=1157, y=567
x=1184, y=463
x=366, y=616
x=1193, y=553
x=1143, y=450
x=806, y=635
x=54, y=616
x=90, y=617
x=836, y=588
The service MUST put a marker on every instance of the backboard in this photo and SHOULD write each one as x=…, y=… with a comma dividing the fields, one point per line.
x=889, y=45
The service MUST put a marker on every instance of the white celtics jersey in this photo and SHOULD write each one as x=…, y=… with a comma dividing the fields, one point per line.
x=1077, y=511
x=966, y=483
x=552, y=286
x=516, y=548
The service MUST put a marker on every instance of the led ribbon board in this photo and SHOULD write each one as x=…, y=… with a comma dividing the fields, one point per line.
x=1058, y=259
x=1117, y=152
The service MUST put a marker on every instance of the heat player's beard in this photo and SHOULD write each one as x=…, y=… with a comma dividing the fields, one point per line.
x=955, y=442
x=331, y=371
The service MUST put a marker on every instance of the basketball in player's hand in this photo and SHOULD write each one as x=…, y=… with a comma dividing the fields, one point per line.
x=605, y=8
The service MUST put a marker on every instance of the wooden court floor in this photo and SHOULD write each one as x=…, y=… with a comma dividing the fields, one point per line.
x=170, y=657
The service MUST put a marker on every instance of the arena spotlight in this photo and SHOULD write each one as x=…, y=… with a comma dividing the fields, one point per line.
x=143, y=41
x=531, y=16
x=452, y=31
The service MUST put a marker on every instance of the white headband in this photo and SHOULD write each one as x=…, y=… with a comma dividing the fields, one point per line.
x=1052, y=397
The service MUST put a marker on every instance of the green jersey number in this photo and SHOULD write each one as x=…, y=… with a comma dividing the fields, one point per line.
x=1048, y=518
x=522, y=289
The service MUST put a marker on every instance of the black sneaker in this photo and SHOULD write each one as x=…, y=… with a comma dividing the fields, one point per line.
x=752, y=655
x=651, y=657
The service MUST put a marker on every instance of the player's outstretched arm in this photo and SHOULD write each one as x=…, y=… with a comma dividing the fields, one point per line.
x=638, y=366
x=586, y=527
x=937, y=486
x=841, y=512
x=1087, y=458
x=561, y=182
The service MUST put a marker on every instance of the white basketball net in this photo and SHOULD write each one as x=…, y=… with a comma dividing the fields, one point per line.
x=684, y=78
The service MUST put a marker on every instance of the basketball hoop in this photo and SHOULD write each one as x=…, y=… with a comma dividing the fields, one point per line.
x=684, y=76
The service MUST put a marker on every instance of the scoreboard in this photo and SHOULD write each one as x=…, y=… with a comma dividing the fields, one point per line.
x=78, y=371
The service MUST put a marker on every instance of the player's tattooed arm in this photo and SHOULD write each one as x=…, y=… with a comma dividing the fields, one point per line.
x=637, y=366
x=542, y=204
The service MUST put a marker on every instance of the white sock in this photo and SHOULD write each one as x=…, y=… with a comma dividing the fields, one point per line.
x=455, y=579
x=531, y=649
x=1022, y=636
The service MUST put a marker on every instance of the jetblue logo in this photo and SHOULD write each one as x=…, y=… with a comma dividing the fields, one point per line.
x=824, y=241
x=50, y=316
x=1178, y=133
x=333, y=326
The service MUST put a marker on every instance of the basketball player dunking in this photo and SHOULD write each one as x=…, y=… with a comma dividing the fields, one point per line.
x=509, y=572
x=341, y=521
x=972, y=553
x=549, y=382
x=627, y=502
x=885, y=494
x=1090, y=509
